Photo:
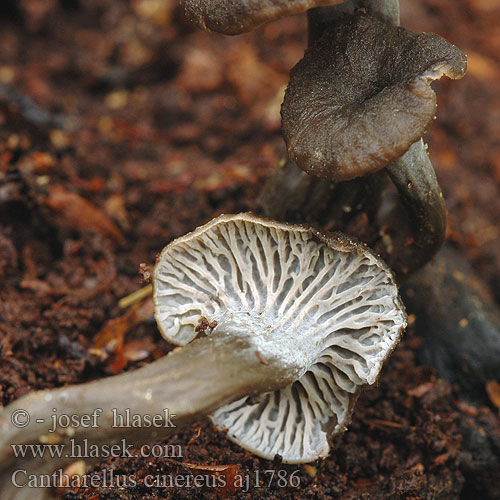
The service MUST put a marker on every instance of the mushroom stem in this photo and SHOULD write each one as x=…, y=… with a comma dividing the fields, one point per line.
x=320, y=17
x=415, y=179
x=292, y=195
x=413, y=173
x=289, y=192
x=190, y=382
x=459, y=322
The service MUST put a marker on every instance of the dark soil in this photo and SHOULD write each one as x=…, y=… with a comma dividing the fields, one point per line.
x=123, y=127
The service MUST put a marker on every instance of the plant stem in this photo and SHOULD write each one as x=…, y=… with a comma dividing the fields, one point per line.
x=136, y=296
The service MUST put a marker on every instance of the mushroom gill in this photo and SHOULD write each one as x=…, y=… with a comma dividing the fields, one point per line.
x=326, y=304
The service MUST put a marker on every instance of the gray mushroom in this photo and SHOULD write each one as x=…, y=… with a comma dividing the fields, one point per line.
x=361, y=96
x=325, y=304
x=301, y=321
x=233, y=17
x=359, y=101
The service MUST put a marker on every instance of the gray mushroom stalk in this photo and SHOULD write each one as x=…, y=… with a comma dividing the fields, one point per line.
x=302, y=322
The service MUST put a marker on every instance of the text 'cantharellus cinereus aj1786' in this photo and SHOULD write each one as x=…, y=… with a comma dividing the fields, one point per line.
x=302, y=321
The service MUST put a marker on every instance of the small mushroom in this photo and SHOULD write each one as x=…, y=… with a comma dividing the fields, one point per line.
x=323, y=303
x=361, y=96
x=233, y=17
x=301, y=321
x=358, y=102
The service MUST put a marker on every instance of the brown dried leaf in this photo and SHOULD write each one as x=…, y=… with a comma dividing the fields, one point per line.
x=420, y=390
x=493, y=390
x=254, y=81
x=112, y=334
x=385, y=423
x=201, y=70
x=482, y=67
x=74, y=212
x=230, y=473
x=111, y=337
x=467, y=408
x=116, y=209
x=441, y=459
x=71, y=475
x=311, y=470
x=484, y=6
x=137, y=350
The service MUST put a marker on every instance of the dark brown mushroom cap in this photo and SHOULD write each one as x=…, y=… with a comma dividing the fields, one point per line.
x=361, y=96
x=232, y=17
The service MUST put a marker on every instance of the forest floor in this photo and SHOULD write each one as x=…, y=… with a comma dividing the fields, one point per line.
x=123, y=127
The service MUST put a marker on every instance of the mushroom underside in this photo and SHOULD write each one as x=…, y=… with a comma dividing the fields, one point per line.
x=324, y=303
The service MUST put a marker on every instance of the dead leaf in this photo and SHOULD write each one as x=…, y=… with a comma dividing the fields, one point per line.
x=483, y=6
x=387, y=423
x=493, y=390
x=482, y=67
x=71, y=475
x=201, y=70
x=115, y=208
x=420, y=390
x=310, y=470
x=230, y=472
x=467, y=408
x=74, y=212
x=253, y=80
x=137, y=350
x=418, y=468
x=111, y=338
x=441, y=459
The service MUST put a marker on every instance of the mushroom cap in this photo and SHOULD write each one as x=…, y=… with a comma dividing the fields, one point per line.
x=324, y=300
x=233, y=17
x=361, y=96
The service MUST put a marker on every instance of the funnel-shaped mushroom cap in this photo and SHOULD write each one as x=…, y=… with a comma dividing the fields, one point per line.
x=361, y=96
x=233, y=17
x=326, y=302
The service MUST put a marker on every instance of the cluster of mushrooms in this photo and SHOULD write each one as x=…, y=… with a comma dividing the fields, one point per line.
x=299, y=321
